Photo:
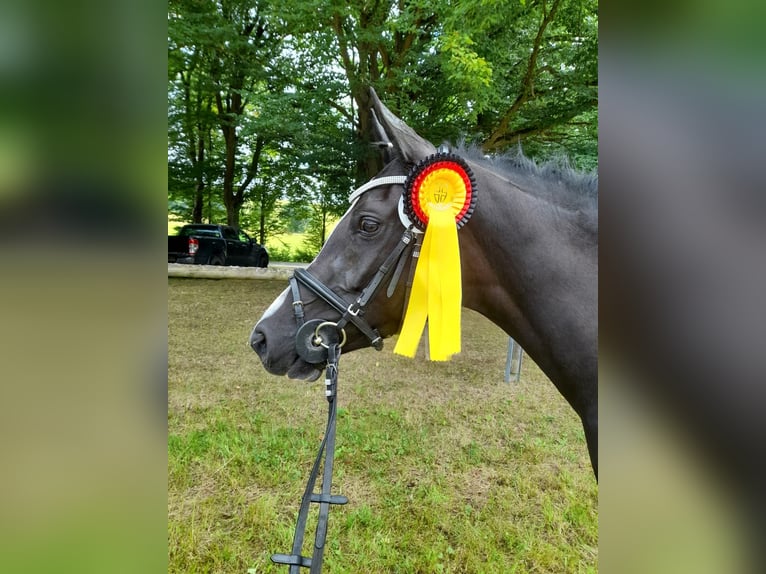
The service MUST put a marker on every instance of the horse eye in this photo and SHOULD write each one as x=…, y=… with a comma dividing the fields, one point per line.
x=368, y=225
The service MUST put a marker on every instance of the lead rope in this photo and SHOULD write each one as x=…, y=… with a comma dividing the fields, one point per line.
x=296, y=561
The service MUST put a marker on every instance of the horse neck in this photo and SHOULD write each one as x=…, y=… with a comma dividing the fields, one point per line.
x=529, y=268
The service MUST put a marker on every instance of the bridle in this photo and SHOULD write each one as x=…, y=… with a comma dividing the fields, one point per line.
x=319, y=342
x=310, y=344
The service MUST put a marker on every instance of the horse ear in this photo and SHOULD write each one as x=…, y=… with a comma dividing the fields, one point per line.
x=408, y=145
x=380, y=135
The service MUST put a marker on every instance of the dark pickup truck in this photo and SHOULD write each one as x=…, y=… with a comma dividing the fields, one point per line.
x=208, y=244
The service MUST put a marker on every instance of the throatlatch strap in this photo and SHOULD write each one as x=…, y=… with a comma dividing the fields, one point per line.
x=384, y=269
x=403, y=256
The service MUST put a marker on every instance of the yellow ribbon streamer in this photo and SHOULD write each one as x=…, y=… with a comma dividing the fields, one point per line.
x=436, y=290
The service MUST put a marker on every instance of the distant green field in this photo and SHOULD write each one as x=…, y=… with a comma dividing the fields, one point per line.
x=173, y=226
x=291, y=241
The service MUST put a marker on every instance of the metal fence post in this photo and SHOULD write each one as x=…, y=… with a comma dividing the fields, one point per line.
x=513, y=361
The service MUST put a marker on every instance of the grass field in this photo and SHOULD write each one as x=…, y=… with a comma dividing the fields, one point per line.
x=446, y=467
x=285, y=246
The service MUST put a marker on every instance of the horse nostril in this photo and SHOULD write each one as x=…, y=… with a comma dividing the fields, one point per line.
x=258, y=342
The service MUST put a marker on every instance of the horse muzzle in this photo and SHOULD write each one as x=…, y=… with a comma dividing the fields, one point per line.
x=282, y=363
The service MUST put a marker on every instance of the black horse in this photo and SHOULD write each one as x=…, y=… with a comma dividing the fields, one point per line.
x=528, y=256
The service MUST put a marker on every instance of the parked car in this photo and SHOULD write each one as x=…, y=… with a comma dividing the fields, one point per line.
x=209, y=244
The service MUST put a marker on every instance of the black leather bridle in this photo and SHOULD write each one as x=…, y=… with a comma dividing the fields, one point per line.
x=319, y=341
x=310, y=339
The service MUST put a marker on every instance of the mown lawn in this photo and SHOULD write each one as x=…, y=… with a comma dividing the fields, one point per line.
x=446, y=467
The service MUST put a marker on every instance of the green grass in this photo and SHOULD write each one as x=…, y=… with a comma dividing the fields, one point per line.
x=446, y=467
x=287, y=247
x=174, y=225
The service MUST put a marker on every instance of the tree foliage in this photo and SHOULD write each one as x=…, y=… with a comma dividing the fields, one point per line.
x=268, y=108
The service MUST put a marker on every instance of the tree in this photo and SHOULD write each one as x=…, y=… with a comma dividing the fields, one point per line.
x=190, y=123
x=545, y=71
x=374, y=43
x=496, y=73
x=236, y=47
x=268, y=103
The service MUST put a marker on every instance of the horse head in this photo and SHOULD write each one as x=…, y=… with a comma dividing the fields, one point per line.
x=358, y=250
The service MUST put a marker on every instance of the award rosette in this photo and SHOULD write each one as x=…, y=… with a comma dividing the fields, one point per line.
x=439, y=197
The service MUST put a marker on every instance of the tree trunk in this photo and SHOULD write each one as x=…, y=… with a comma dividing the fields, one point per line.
x=232, y=217
x=359, y=78
x=262, y=221
x=229, y=199
x=199, y=191
x=199, y=202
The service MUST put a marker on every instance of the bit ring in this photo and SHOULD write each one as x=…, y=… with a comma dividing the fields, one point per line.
x=318, y=339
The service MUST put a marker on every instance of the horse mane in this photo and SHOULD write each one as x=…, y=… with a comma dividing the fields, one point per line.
x=554, y=180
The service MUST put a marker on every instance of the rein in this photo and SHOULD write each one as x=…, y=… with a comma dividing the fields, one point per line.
x=295, y=560
x=320, y=341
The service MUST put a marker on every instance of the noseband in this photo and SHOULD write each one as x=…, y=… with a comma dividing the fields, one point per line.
x=314, y=337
